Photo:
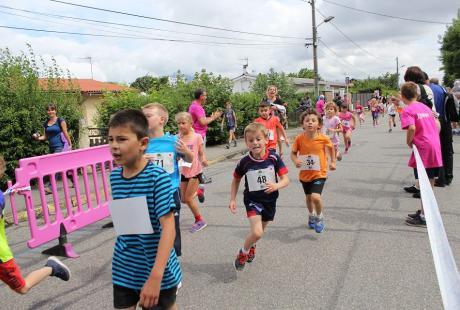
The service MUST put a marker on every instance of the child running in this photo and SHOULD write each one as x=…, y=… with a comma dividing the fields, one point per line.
x=360, y=111
x=165, y=150
x=391, y=111
x=145, y=268
x=309, y=154
x=230, y=119
x=190, y=176
x=423, y=132
x=272, y=123
x=10, y=273
x=332, y=127
x=264, y=173
x=348, y=122
x=374, y=111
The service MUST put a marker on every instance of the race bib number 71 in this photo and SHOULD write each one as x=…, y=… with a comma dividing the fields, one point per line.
x=164, y=160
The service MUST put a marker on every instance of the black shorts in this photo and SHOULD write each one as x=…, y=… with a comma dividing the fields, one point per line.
x=232, y=128
x=185, y=179
x=315, y=186
x=431, y=172
x=124, y=297
x=266, y=210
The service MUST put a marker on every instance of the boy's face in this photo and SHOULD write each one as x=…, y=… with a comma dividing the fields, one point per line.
x=154, y=117
x=256, y=142
x=264, y=112
x=125, y=147
x=311, y=123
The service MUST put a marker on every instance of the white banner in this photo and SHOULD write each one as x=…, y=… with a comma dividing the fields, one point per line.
x=444, y=261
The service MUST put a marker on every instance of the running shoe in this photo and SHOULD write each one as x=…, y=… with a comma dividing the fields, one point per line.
x=200, y=194
x=240, y=261
x=418, y=221
x=227, y=146
x=319, y=225
x=234, y=143
x=197, y=226
x=414, y=215
x=58, y=269
x=411, y=189
x=339, y=156
x=349, y=143
x=416, y=195
x=390, y=130
x=311, y=221
x=252, y=254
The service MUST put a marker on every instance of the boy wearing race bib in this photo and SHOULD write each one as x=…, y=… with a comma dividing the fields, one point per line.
x=164, y=150
x=309, y=154
x=332, y=127
x=348, y=122
x=264, y=174
x=273, y=125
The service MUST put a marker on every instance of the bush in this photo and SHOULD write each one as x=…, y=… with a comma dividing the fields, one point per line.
x=24, y=104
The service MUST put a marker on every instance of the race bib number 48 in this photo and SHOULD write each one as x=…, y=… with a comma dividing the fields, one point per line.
x=258, y=179
x=164, y=160
x=310, y=162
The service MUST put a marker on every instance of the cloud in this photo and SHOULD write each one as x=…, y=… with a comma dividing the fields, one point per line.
x=122, y=60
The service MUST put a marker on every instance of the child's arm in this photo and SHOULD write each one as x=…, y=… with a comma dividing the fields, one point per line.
x=283, y=182
x=330, y=150
x=354, y=121
x=222, y=124
x=282, y=133
x=182, y=148
x=234, y=117
x=151, y=290
x=201, y=156
x=233, y=192
x=410, y=135
x=295, y=159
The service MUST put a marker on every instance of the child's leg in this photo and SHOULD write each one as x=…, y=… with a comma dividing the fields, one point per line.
x=317, y=203
x=310, y=205
x=230, y=136
x=256, y=232
x=34, y=278
x=188, y=192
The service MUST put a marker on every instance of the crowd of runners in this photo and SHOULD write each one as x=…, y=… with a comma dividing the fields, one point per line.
x=168, y=170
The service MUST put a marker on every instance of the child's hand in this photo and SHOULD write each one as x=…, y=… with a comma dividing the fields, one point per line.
x=150, y=293
x=232, y=206
x=204, y=163
x=287, y=142
x=181, y=147
x=271, y=187
x=298, y=163
x=332, y=166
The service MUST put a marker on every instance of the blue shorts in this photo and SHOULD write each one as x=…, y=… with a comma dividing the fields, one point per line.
x=231, y=128
x=266, y=209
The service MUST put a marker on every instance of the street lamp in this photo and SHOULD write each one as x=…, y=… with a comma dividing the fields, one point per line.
x=315, y=42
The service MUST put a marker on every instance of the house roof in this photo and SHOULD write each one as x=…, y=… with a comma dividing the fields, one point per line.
x=84, y=85
x=304, y=81
x=245, y=76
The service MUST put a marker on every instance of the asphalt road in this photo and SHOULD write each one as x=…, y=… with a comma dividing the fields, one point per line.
x=367, y=258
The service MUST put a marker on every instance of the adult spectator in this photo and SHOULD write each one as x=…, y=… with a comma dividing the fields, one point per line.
x=200, y=121
x=278, y=106
x=416, y=75
x=305, y=102
x=445, y=106
x=320, y=104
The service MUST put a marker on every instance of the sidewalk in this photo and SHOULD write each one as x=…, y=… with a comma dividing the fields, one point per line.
x=214, y=154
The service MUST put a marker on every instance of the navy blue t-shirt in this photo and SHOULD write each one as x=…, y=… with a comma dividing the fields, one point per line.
x=257, y=172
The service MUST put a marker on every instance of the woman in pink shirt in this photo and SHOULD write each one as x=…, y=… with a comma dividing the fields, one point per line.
x=423, y=132
x=320, y=105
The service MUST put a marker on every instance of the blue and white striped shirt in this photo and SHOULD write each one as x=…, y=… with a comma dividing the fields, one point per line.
x=134, y=255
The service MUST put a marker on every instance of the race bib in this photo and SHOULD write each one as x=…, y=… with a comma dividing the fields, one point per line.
x=310, y=162
x=346, y=123
x=164, y=160
x=257, y=179
x=271, y=135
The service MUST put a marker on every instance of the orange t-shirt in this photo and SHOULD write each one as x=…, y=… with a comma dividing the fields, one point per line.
x=312, y=153
x=271, y=124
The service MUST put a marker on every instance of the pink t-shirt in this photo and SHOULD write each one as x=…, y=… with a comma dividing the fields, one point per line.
x=197, y=112
x=193, y=144
x=331, y=123
x=320, y=107
x=426, y=137
x=345, y=119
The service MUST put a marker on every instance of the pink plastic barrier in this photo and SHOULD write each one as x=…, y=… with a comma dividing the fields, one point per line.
x=75, y=206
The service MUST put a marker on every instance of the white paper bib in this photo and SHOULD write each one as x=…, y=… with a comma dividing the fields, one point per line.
x=257, y=179
x=164, y=160
x=310, y=162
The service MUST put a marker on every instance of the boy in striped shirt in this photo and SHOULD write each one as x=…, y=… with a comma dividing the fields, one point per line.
x=145, y=268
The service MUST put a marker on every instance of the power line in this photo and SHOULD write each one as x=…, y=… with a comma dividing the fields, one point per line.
x=174, y=21
x=125, y=25
x=386, y=15
x=146, y=38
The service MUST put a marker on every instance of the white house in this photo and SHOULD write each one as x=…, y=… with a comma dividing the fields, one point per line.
x=243, y=83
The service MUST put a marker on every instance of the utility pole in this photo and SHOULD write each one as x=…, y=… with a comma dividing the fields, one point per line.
x=315, y=46
x=91, y=64
x=397, y=72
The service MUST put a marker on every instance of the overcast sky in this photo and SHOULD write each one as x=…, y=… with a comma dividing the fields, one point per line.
x=122, y=59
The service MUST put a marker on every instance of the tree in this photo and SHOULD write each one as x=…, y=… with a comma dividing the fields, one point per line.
x=305, y=73
x=147, y=82
x=450, y=52
x=385, y=83
x=24, y=102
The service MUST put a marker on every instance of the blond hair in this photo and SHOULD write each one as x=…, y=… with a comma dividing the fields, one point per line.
x=331, y=104
x=159, y=107
x=255, y=127
x=2, y=165
x=184, y=116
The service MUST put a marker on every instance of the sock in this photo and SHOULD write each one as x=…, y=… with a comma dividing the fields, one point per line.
x=198, y=218
x=320, y=216
x=244, y=251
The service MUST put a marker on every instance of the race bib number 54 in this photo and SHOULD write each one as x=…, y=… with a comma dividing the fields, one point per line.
x=310, y=162
x=258, y=179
